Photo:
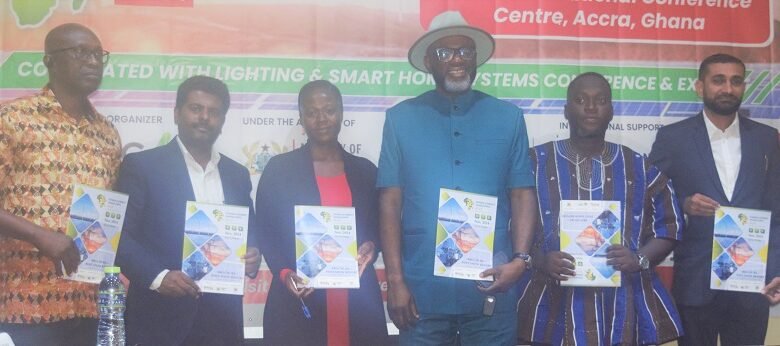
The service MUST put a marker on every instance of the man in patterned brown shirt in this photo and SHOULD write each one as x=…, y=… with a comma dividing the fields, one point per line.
x=48, y=142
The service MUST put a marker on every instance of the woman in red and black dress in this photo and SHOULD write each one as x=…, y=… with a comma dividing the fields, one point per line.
x=319, y=173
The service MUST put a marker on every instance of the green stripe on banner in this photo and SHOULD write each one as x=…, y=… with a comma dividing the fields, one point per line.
x=754, y=84
x=358, y=77
x=767, y=90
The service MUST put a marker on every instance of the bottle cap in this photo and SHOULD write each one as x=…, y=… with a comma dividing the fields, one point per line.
x=111, y=270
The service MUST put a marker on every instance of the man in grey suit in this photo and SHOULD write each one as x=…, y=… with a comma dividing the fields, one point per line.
x=715, y=158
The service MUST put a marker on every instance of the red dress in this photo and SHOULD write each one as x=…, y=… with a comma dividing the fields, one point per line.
x=335, y=192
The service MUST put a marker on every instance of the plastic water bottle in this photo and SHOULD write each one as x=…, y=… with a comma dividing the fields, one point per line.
x=111, y=307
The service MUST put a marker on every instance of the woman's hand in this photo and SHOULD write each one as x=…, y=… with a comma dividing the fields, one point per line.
x=295, y=283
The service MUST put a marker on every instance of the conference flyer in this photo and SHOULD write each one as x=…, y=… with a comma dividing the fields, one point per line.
x=215, y=238
x=588, y=228
x=266, y=50
x=464, y=234
x=96, y=219
x=740, y=244
x=326, y=246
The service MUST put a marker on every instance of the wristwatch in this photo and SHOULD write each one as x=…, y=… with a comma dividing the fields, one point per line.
x=523, y=256
x=644, y=262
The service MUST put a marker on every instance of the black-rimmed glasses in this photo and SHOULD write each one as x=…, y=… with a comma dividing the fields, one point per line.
x=84, y=54
x=446, y=54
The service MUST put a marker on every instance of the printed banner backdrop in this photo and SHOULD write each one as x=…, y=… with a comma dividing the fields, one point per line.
x=265, y=50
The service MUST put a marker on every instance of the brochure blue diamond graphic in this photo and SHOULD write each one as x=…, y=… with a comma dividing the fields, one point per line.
x=727, y=226
x=724, y=267
x=199, y=239
x=448, y=253
x=602, y=251
x=607, y=224
x=310, y=264
x=309, y=229
x=451, y=215
x=600, y=263
x=83, y=213
x=727, y=231
x=199, y=223
x=725, y=241
x=196, y=266
x=80, y=224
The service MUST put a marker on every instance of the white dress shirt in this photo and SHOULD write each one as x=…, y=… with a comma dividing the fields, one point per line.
x=206, y=184
x=727, y=152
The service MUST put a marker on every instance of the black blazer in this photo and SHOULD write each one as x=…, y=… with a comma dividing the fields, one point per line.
x=682, y=150
x=152, y=237
x=288, y=180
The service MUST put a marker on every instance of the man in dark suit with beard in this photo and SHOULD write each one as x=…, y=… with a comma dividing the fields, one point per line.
x=717, y=158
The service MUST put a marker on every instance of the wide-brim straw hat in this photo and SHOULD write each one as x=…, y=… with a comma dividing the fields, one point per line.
x=451, y=23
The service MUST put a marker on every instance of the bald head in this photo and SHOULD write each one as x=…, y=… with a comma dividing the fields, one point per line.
x=74, y=57
x=63, y=35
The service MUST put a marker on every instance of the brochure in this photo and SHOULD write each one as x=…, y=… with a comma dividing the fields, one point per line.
x=326, y=246
x=739, y=249
x=214, y=242
x=464, y=234
x=588, y=228
x=96, y=219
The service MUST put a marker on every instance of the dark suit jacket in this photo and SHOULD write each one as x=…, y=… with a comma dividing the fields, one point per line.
x=288, y=180
x=159, y=186
x=682, y=150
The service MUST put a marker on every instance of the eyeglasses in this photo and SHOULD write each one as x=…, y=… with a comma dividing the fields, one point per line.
x=446, y=54
x=84, y=54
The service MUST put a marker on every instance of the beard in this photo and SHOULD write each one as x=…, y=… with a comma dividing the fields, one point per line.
x=723, y=105
x=457, y=85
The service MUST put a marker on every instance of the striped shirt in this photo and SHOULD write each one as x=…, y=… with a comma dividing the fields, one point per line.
x=640, y=311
